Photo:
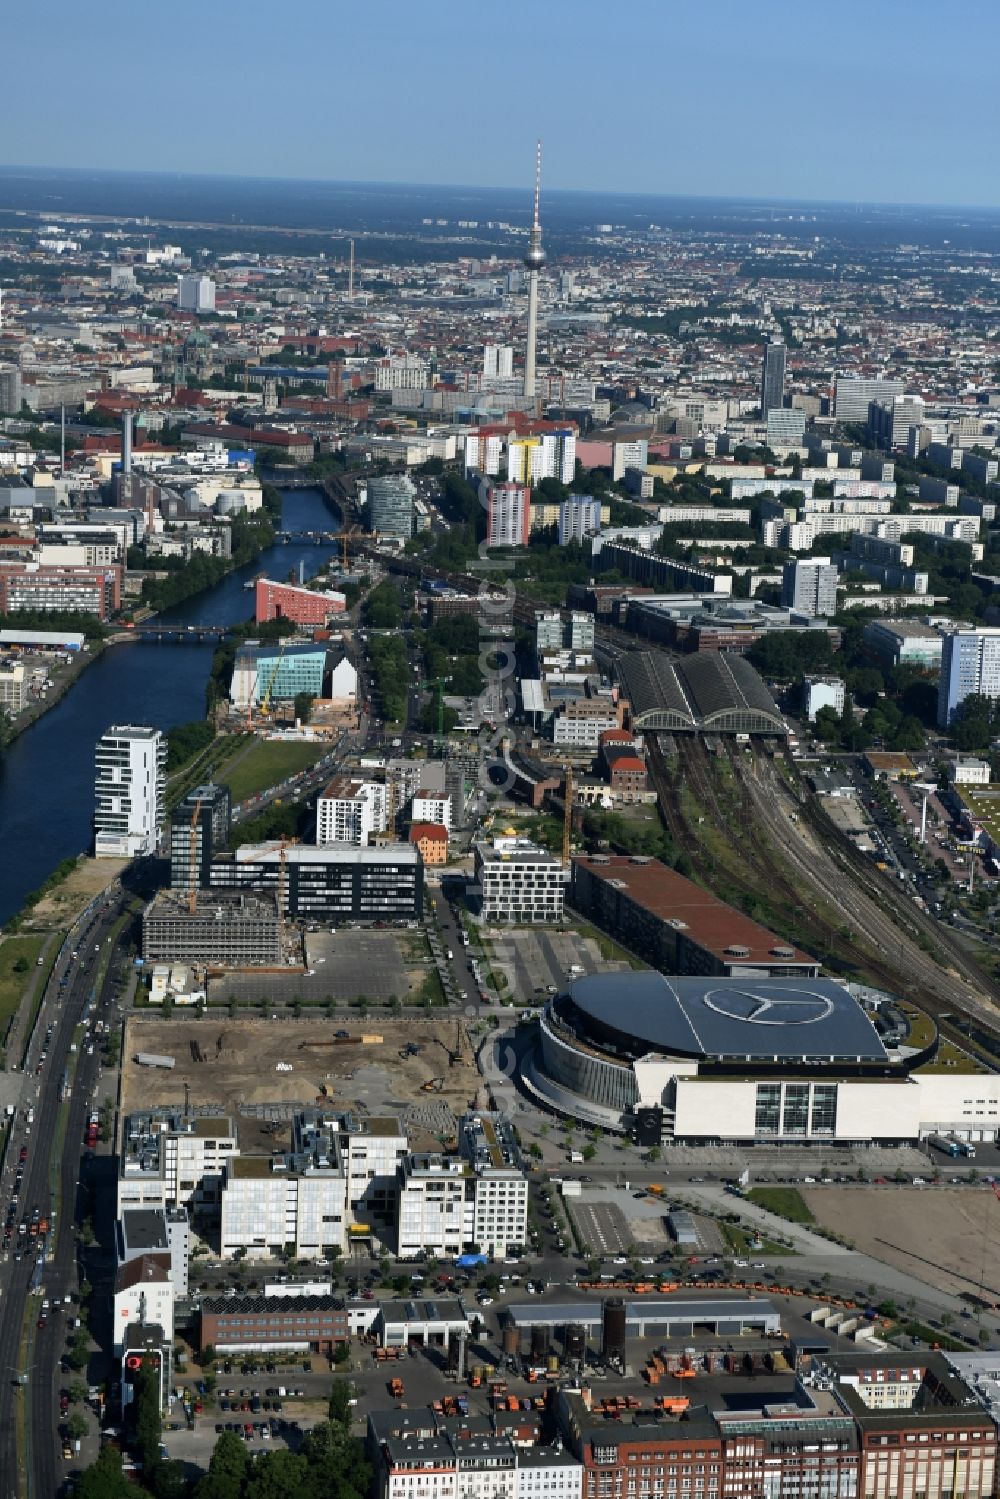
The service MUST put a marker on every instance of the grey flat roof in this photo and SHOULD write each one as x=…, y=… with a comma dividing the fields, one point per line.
x=732, y=1018
x=645, y=1309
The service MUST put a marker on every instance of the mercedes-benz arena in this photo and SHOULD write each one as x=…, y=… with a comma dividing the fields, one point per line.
x=725, y=1060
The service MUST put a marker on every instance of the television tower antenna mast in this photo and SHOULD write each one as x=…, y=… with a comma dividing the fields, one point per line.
x=533, y=262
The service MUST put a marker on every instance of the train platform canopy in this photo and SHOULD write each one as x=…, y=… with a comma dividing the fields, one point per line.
x=712, y=694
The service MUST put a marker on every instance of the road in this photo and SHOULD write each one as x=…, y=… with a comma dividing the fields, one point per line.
x=61, y=1008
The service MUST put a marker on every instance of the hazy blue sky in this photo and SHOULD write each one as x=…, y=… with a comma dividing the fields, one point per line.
x=887, y=100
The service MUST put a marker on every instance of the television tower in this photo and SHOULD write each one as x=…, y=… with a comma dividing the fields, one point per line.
x=533, y=262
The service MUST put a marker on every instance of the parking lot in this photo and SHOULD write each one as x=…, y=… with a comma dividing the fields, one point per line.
x=535, y=961
x=354, y=963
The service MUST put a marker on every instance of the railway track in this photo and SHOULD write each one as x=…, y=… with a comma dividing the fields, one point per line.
x=888, y=921
x=822, y=873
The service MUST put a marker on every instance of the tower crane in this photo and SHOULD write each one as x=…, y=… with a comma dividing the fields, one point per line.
x=193, y=868
x=349, y=534
x=265, y=701
x=567, y=814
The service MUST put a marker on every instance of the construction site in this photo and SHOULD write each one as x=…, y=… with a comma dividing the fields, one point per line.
x=260, y=1073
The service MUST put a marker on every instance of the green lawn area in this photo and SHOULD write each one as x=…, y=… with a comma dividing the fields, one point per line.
x=788, y=1202
x=12, y=983
x=265, y=764
x=740, y=1242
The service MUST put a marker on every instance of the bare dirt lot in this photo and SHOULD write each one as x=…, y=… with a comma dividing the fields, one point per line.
x=66, y=901
x=229, y=1067
x=944, y=1235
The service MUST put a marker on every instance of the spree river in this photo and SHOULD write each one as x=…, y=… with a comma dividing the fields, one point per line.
x=47, y=775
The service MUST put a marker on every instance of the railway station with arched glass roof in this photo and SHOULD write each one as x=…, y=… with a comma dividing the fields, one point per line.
x=711, y=694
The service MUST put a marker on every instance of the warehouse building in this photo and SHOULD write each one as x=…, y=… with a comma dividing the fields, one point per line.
x=675, y=924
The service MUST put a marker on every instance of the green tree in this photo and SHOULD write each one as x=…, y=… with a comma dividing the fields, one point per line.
x=281, y=1475
x=77, y=1426
x=227, y=1469
x=170, y=1481
x=339, y=1407
x=144, y=1416
x=303, y=706
x=104, y=1478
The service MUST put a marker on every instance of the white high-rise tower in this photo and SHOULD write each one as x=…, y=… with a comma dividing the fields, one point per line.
x=533, y=262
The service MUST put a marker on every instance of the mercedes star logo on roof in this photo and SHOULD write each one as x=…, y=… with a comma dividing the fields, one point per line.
x=759, y=1007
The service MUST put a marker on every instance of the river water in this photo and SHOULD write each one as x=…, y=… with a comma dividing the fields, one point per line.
x=47, y=775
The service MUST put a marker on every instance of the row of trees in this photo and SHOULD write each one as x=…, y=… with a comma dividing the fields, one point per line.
x=330, y=1463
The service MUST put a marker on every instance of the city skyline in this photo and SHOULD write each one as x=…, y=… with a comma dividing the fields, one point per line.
x=680, y=137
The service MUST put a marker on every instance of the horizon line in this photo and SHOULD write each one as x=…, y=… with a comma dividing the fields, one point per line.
x=587, y=192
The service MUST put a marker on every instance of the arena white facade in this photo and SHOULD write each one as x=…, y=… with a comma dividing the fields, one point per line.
x=728, y=1061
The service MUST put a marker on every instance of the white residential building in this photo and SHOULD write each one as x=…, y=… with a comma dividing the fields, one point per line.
x=508, y=513
x=402, y=372
x=130, y=788
x=169, y=1160
x=448, y=1204
x=969, y=772
x=498, y=362
x=484, y=451
x=970, y=664
x=634, y=453
x=579, y=516
x=431, y=806
x=822, y=692
x=350, y=811
x=195, y=294
x=548, y=1473
x=545, y=455
x=144, y=1295
x=522, y=884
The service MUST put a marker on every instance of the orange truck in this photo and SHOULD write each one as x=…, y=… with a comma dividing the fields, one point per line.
x=396, y=1389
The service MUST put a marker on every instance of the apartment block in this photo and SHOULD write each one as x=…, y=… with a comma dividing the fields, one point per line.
x=521, y=884
x=129, y=791
x=349, y=810
x=508, y=513
x=199, y=829
x=970, y=665
x=476, y=1201
x=168, y=1159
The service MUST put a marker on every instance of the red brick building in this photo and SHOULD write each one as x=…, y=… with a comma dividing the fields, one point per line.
x=628, y=777
x=301, y=605
x=78, y=590
x=432, y=840
x=649, y=1459
x=273, y=1322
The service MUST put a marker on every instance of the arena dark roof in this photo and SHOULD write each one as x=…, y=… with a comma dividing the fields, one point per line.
x=734, y=1019
x=717, y=693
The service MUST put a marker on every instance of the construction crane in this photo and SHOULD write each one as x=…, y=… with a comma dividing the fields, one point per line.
x=567, y=813
x=437, y=686
x=193, y=866
x=349, y=534
x=282, y=881
x=265, y=701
